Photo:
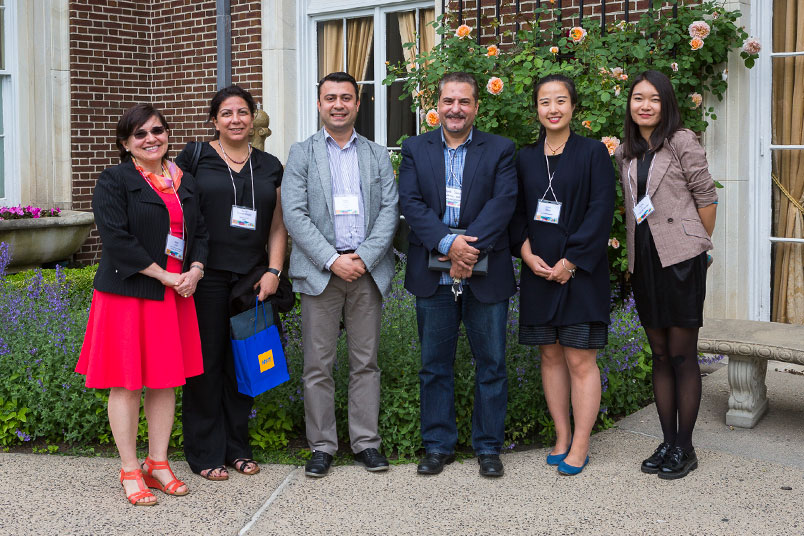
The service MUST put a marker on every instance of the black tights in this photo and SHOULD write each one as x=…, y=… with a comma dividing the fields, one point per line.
x=676, y=382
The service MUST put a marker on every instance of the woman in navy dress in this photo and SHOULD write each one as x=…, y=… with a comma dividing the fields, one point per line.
x=561, y=230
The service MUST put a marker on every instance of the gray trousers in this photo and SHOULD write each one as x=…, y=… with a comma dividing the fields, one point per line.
x=360, y=305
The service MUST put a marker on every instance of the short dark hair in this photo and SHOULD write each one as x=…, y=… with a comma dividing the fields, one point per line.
x=225, y=93
x=461, y=77
x=568, y=83
x=339, y=77
x=634, y=145
x=131, y=120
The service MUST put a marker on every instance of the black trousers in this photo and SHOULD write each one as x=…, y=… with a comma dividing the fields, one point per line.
x=214, y=413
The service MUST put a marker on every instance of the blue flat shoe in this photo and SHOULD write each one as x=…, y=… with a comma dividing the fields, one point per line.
x=555, y=459
x=570, y=470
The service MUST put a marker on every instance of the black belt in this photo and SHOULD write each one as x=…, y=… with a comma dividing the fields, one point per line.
x=346, y=251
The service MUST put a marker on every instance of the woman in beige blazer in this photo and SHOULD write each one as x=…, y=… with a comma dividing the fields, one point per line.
x=670, y=204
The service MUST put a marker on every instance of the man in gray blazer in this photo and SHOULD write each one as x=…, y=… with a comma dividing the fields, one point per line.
x=339, y=199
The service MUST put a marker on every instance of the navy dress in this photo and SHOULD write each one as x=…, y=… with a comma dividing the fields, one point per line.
x=584, y=184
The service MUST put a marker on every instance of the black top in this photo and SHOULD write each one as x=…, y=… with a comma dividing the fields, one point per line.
x=584, y=184
x=133, y=223
x=231, y=248
x=643, y=169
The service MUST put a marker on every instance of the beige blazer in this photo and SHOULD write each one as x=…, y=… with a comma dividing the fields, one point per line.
x=680, y=184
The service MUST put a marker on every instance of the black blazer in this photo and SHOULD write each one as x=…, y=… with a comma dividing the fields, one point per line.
x=488, y=197
x=133, y=223
x=584, y=183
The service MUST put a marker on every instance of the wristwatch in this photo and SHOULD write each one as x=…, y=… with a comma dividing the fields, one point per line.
x=274, y=271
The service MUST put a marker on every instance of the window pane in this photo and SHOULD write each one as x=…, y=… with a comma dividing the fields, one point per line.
x=401, y=120
x=359, y=52
x=785, y=21
x=788, y=258
x=330, y=47
x=401, y=29
x=2, y=36
x=365, y=117
x=2, y=142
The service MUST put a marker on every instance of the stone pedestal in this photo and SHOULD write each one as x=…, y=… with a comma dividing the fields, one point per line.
x=748, y=400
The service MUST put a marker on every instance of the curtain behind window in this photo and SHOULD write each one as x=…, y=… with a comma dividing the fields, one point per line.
x=788, y=165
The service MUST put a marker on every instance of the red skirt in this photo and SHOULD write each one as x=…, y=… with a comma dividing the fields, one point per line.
x=135, y=343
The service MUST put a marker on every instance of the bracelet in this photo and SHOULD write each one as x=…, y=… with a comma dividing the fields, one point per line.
x=198, y=266
x=572, y=272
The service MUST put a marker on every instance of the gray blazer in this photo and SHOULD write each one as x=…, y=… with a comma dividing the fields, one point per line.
x=309, y=214
x=680, y=184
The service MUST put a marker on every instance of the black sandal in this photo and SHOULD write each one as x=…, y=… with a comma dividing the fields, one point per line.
x=244, y=462
x=221, y=475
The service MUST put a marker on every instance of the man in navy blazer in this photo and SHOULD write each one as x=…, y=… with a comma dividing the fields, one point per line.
x=458, y=177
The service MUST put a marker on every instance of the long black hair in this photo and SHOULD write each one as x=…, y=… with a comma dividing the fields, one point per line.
x=568, y=83
x=634, y=145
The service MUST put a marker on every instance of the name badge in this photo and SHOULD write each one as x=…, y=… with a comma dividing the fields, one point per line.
x=548, y=211
x=346, y=205
x=174, y=246
x=243, y=218
x=453, y=197
x=643, y=209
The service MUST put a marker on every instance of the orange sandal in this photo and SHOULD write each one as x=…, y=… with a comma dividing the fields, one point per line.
x=152, y=482
x=137, y=497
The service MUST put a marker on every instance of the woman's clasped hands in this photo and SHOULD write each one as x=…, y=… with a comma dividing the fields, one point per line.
x=561, y=272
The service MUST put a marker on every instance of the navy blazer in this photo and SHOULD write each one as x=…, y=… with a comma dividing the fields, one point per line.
x=584, y=184
x=133, y=223
x=488, y=198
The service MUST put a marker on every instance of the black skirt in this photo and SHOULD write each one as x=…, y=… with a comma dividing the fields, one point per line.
x=667, y=297
x=584, y=336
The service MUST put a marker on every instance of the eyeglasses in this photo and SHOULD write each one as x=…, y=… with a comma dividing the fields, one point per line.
x=156, y=131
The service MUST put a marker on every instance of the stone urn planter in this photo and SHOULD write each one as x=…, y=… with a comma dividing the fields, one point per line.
x=35, y=241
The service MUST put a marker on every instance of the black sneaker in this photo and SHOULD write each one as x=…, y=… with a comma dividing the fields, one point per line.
x=318, y=465
x=372, y=460
x=652, y=464
x=677, y=463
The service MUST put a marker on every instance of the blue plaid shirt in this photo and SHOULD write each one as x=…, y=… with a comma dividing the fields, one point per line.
x=454, y=160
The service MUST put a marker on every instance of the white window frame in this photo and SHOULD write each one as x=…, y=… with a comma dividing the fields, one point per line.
x=311, y=12
x=8, y=86
x=761, y=236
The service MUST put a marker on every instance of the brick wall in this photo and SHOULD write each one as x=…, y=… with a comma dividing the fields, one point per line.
x=509, y=15
x=123, y=52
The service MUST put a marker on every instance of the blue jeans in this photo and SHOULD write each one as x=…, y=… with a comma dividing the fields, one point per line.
x=439, y=317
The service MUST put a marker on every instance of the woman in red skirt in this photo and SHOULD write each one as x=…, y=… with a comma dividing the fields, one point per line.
x=142, y=329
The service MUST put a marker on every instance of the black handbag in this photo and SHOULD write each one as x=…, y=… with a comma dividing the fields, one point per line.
x=481, y=267
x=242, y=295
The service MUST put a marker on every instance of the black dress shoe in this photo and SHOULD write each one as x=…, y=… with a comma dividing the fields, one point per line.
x=652, y=464
x=318, y=465
x=490, y=465
x=372, y=460
x=678, y=463
x=434, y=462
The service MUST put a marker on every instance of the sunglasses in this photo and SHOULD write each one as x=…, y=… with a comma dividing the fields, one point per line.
x=156, y=131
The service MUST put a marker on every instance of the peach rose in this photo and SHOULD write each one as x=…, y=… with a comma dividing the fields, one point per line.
x=696, y=99
x=494, y=85
x=617, y=90
x=699, y=29
x=554, y=50
x=432, y=118
x=492, y=50
x=696, y=43
x=587, y=124
x=577, y=34
x=611, y=143
x=463, y=31
x=751, y=46
x=613, y=242
x=674, y=67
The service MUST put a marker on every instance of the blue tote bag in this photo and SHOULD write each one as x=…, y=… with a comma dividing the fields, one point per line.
x=258, y=355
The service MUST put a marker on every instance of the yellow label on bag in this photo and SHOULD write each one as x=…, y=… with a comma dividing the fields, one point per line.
x=266, y=360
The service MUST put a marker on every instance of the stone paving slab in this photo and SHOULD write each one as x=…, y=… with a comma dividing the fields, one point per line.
x=63, y=495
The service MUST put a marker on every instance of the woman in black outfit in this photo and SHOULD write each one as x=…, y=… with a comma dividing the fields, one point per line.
x=239, y=189
x=669, y=220
x=561, y=230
